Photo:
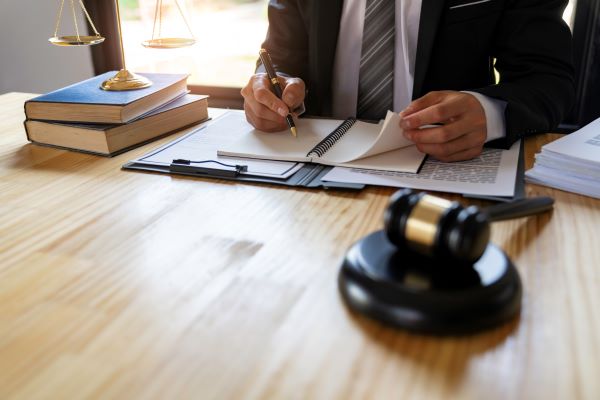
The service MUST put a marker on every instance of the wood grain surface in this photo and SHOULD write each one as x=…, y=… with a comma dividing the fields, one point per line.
x=132, y=285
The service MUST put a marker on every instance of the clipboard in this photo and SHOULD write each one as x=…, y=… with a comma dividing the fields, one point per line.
x=207, y=164
x=309, y=176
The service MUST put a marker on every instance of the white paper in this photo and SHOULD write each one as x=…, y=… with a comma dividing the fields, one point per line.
x=390, y=138
x=364, y=142
x=202, y=143
x=583, y=144
x=370, y=140
x=571, y=163
x=277, y=145
x=407, y=160
x=571, y=183
x=493, y=173
x=565, y=165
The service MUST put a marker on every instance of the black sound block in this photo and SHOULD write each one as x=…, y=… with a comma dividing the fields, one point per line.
x=414, y=292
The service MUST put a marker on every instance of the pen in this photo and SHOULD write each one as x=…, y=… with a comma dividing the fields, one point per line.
x=266, y=60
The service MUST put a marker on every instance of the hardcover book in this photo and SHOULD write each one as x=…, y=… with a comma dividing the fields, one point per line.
x=86, y=102
x=109, y=140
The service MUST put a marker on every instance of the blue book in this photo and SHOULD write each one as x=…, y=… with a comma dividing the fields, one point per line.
x=86, y=102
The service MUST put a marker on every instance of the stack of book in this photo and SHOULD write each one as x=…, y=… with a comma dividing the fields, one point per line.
x=571, y=163
x=86, y=118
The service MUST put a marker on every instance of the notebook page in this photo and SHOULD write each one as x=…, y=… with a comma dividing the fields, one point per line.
x=280, y=145
x=407, y=159
x=366, y=140
x=353, y=144
x=390, y=137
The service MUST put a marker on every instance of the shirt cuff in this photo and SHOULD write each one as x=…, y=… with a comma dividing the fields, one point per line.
x=494, y=115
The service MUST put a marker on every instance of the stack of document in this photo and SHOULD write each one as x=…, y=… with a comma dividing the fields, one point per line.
x=571, y=163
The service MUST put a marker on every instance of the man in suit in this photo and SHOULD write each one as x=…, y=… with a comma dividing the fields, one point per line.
x=441, y=70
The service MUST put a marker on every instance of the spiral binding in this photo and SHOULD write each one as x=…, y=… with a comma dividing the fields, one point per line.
x=324, y=145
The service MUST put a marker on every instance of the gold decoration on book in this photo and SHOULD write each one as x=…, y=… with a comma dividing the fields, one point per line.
x=77, y=39
x=158, y=41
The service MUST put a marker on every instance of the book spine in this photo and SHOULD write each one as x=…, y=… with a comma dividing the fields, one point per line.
x=324, y=145
x=26, y=130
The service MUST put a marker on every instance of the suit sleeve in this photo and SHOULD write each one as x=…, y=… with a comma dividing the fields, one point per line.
x=287, y=38
x=533, y=57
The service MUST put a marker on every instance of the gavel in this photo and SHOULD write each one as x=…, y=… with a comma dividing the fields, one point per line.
x=443, y=229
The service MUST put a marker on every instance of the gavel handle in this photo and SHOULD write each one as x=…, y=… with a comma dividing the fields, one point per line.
x=519, y=208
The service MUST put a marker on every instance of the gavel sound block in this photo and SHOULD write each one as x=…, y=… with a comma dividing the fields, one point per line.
x=432, y=269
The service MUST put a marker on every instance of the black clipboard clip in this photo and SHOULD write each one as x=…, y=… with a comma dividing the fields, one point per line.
x=181, y=165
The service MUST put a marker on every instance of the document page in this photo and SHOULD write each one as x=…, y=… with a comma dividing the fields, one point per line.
x=582, y=145
x=493, y=173
x=202, y=143
x=571, y=163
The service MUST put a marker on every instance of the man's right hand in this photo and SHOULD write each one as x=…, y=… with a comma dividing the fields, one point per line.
x=263, y=109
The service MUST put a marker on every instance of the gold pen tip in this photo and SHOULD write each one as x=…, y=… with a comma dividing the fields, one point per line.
x=293, y=128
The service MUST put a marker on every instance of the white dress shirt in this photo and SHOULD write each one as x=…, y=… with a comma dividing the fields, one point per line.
x=347, y=64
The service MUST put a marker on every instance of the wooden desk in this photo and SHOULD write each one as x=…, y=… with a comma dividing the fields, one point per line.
x=119, y=284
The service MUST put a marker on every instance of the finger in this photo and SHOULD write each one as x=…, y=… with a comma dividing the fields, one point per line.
x=434, y=114
x=446, y=151
x=422, y=103
x=258, y=114
x=440, y=134
x=260, y=121
x=264, y=124
x=463, y=155
x=293, y=92
x=251, y=103
x=262, y=111
x=261, y=91
x=269, y=126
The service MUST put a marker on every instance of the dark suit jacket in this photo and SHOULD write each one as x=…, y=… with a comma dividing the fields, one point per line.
x=528, y=40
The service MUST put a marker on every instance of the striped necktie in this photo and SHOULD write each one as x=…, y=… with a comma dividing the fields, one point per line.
x=376, y=79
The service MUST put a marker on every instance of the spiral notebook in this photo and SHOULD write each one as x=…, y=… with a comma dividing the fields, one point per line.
x=349, y=143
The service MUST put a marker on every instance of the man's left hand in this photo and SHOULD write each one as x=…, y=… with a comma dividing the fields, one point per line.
x=463, y=128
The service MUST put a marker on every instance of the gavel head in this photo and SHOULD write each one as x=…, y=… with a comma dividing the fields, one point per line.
x=436, y=227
